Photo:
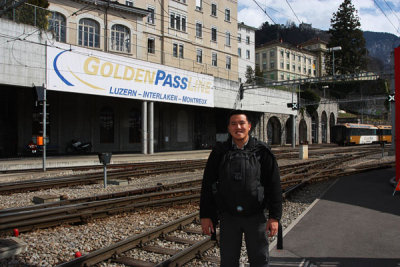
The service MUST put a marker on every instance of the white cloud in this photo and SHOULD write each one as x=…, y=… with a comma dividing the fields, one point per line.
x=252, y=17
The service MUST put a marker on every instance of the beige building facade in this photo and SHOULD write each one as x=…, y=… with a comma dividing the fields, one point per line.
x=193, y=35
x=280, y=61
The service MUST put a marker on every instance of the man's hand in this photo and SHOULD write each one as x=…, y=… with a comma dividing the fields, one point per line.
x=272, y=227
x=207, y=226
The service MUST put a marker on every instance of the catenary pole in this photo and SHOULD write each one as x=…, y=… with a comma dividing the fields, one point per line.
x=151, y=127
x=44, y=126
x=144, y=127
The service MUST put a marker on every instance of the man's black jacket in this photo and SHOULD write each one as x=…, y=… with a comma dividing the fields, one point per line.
x=270, y=179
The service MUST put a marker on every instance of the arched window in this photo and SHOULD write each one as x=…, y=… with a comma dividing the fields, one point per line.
x=89, y=33
x=289, y=130
x=120, y=38
x=58, y=25
x=331, y=124
x=135, y=124
x=324, y=129
x=274, y=131
x=303, y=132
x=314, y=128
x=106, y=125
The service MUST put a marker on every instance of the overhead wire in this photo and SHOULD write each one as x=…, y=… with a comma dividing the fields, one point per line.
x=394, y=13
x=383, y=12
x=171, y=54
x=265, y=11
x=293, y=11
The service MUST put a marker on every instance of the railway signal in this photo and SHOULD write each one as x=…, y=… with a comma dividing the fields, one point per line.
x=294, y=106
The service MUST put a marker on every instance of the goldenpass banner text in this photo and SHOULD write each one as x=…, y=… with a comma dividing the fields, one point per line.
x=79, y=70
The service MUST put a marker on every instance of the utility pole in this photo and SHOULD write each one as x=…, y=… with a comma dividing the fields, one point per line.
x=333, y=49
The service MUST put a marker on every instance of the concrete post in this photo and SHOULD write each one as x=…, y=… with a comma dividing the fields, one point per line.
x=144, y=127
x=293, y=130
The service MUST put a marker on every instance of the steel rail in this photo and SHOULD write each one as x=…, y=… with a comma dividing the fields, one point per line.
x=99, y=167
x=138, y=191
x=200, y=247
x=33, y=185
x=130, y=243
x=80, y=210
x=26, y=221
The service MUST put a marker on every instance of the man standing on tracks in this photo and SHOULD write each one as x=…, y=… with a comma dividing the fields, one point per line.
x=241, y=180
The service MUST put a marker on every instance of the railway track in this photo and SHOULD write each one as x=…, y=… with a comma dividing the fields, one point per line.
x=127, y=172
x=84, y=209
x=119, y=252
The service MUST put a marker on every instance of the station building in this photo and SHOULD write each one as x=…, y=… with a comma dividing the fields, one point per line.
x=135, y=76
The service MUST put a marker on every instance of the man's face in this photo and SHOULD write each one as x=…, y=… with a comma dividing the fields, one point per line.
x=239, y=127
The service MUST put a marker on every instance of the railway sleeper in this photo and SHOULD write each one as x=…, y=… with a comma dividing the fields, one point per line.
x=133, y=262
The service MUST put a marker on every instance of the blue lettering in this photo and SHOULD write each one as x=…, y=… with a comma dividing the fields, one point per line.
x=195, y=100
x=122, y=91
x=184, y=83
x=176, y=81
x=159, y=76
x=168, y=80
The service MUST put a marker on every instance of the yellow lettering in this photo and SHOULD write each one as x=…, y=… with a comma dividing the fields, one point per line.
x=94, y=68
x=149, y=77
x=197, y=86
x=207, y=87
x=109, y=67
x=116, y=72
x=139, y=75
x=131, y=74
x=190, y=88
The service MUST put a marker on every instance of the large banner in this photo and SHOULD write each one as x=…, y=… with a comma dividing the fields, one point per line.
x=79, y=70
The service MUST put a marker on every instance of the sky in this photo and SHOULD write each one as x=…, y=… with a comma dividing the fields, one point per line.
x=375, y=15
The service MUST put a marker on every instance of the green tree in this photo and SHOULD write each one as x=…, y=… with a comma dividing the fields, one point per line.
x=33, y=12
x=345, y=32
x=250, y=75
x=311, y=100
x=259, y=77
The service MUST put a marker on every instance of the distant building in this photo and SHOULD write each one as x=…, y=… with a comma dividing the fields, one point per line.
x=319, y=47
x=305, y=26
x=282, y=61
x=246, y=49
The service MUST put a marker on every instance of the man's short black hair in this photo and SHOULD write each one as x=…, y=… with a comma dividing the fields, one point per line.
x=238, y=112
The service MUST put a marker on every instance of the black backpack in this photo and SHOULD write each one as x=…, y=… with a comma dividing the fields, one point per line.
x=238, y=189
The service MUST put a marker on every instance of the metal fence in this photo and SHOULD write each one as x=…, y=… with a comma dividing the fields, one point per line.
x=26, y=13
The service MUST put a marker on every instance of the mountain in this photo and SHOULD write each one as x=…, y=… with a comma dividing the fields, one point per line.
x=380, y=45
